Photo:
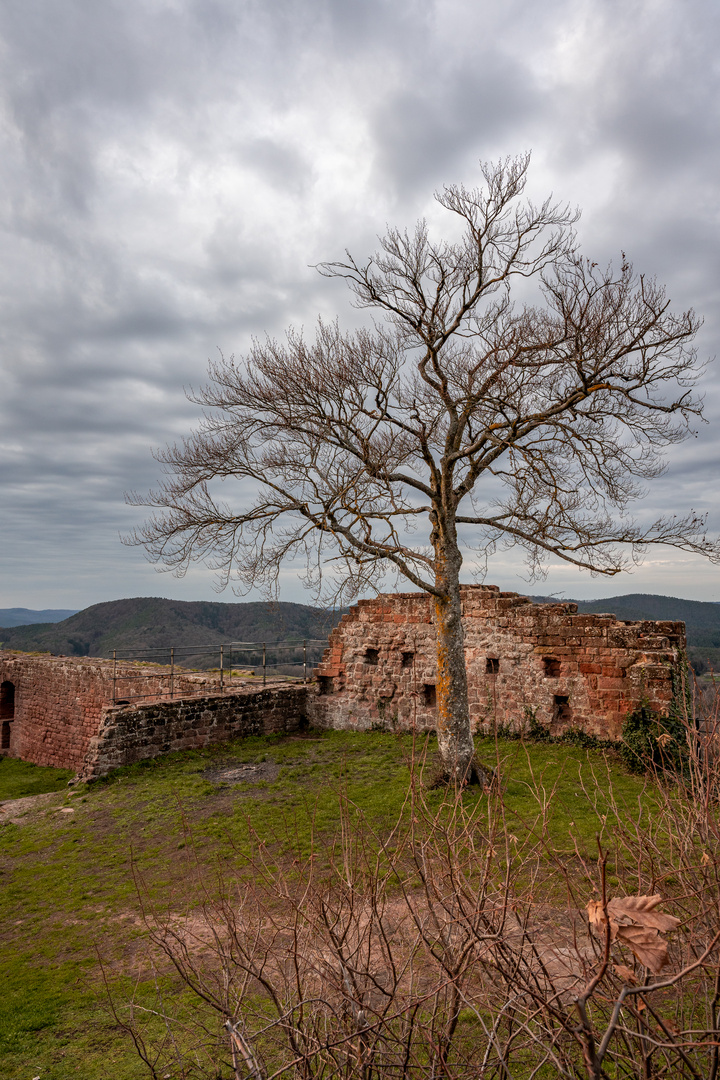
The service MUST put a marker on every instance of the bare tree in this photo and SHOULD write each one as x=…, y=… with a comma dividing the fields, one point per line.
x=531, y=424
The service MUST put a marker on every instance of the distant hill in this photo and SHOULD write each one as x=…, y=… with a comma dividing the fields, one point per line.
x=702, y=619
x=154, y=623
x=22, y=616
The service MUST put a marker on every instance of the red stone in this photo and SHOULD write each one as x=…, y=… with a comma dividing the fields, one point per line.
x=606, y=666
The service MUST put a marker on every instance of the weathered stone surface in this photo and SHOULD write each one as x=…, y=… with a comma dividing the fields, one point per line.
x=134, y=733
x=63, y=712
x=572, y=671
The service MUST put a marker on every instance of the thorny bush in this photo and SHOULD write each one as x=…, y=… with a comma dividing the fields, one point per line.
x=457, y=943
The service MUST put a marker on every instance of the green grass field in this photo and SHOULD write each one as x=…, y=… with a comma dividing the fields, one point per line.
x=68, y=866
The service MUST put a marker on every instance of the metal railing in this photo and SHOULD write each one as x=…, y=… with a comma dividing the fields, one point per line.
x=174, y=671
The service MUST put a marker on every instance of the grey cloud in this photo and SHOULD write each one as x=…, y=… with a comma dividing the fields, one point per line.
x=428, y=133
x=169, y=170
x=282, y=166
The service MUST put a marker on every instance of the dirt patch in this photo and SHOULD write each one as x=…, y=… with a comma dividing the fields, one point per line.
x=16, y=810
x=241, y=772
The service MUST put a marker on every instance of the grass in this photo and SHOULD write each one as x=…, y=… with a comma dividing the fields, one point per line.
x=20, y=778
x=67, y=869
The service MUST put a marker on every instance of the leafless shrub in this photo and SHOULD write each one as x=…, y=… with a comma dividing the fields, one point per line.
x=458, y=943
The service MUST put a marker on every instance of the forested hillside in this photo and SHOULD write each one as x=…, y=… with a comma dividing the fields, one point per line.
x=151, y=622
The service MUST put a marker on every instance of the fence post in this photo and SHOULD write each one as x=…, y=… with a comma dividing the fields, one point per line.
x=114, y=675
x=222, y=673
x=305, y=661
x=264, y=664
x=172, y=671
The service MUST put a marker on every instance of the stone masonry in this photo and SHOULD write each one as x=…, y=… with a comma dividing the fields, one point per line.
x=130, y=734
x=59, y=711
x=523, y=659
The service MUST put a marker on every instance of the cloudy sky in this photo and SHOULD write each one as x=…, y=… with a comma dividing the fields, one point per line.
x=170, y=168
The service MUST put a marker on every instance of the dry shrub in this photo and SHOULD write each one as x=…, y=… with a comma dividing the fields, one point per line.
x=457, y=944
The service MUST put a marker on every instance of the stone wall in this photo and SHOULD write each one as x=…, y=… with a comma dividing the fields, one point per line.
x=53, y=710
x=57, y=707
x=133, y=733
x=565, y=669
x=568, y=670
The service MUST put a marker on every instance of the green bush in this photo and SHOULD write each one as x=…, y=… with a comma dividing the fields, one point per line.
x=534, y=730
x=654, y=743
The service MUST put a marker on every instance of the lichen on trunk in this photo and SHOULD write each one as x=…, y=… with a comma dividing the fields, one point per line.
x=454, y=733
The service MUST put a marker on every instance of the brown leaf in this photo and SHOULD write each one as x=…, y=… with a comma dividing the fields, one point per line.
x=634, y=922
x=640, y=910
x=647, y=945
x=596, y=915
x=626, y=974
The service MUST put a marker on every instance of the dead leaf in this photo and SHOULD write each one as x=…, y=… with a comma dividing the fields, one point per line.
x=663, y=739
x=634, y=922
x=626, y=974
x=596, y=915
x=706, y=860
x=640, y=910
x=647, y=944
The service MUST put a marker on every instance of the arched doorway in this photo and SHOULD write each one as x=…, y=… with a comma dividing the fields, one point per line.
x=7, y=712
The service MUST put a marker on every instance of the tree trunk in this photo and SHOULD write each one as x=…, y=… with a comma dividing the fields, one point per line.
x=455, y=741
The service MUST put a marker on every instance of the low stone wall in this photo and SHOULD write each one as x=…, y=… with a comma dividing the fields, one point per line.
x=59, y=711
x=132, y=733
x=546, y=660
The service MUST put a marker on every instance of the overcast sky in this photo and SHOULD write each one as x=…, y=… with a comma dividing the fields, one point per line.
x=170, y=168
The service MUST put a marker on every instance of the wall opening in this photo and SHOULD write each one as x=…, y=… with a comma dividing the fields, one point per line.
x=7, y=700
x=325, y=684
x=430, y=695
x=407, y=659
x=562, y=708
x=7, y=712
x=492, y=665
x=552, y=666
x=372, y=656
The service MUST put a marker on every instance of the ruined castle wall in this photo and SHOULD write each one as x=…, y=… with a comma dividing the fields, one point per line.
x=52, y=708
x=132, y=733
x=568, y=670
x=565, y=669
x=57, y=707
